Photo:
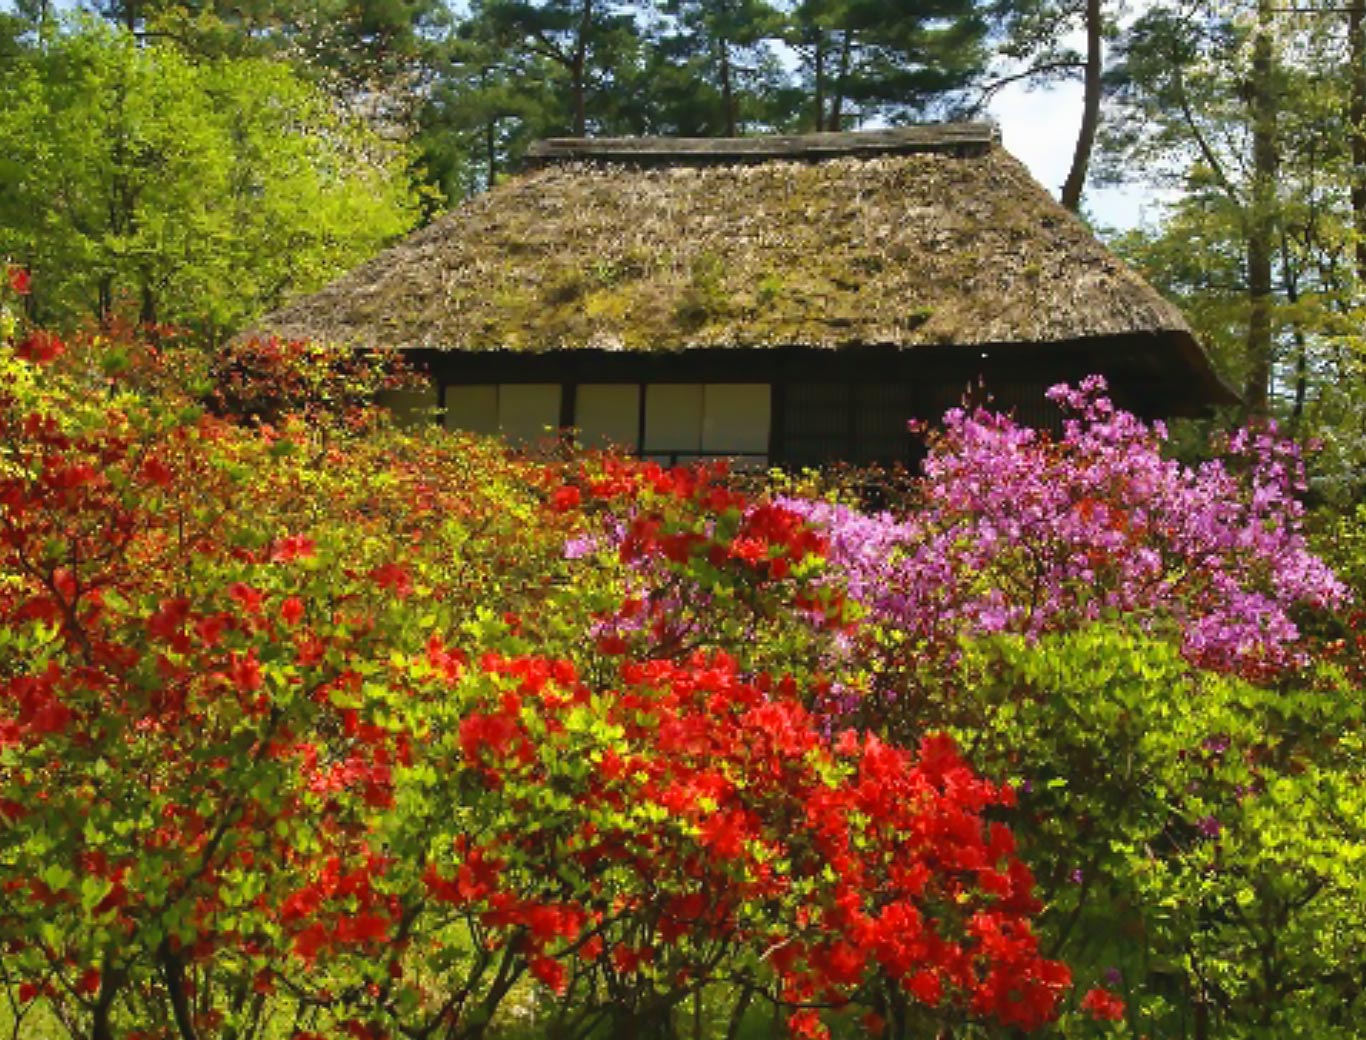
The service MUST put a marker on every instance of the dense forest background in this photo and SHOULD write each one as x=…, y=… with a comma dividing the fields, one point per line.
x=198, y=163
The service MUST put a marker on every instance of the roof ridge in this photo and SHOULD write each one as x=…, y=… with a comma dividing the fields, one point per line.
x=949, y=138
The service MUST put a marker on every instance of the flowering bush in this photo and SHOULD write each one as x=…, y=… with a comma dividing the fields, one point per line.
x=673, y=561
x=1122, y=635
x=320, y=728
x=1015, y=531
x=628, y=847
x=308, y=723
x=181, y=602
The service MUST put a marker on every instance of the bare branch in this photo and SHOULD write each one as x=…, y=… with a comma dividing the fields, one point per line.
x=990, y=90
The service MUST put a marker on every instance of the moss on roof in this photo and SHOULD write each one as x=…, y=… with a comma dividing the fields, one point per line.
x=864, y=247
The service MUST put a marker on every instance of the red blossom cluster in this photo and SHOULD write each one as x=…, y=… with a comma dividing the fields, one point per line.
x=40, y=347
x=665, y=506
x=693, y=546
x=268, y=378
x=265, y=737
x=19, y=279
x=1103, y=1005
x=725, y=817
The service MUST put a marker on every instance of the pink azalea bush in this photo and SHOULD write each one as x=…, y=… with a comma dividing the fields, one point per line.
x=1021, y=532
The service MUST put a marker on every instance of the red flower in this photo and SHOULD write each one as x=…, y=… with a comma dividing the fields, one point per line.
x=19, y=279
x=362, y=928
x=245, y=672
x=89, y=983
x=550, y=922
x=156, y=472
x=1103, y=1005
x=565, y=498
x=807, y=1024
x=168, y=621
x=480, y=731
x=550, y=972
x=293, y=547
x=310, y=942
x=291, y=610
x=750, y=550
x=246, y=597
x=395, y=577
x=724, y=833
x=210, y=629
x=924, y=985
x=612, y=644
x=40, y=347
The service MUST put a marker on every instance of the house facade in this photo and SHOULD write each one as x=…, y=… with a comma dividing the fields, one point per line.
x=777, y=300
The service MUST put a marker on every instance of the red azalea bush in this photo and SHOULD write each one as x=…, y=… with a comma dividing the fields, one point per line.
x=287, y=730
x=629, y=847
x=680, y=560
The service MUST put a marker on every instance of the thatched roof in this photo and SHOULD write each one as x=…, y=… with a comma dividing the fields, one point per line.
x=915, y=236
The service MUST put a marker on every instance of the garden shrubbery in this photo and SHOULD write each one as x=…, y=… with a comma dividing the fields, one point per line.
x=315, y=727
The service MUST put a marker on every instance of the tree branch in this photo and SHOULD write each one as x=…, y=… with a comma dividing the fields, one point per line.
x=990, y=90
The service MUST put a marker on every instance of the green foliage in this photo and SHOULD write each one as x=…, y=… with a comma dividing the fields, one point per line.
x=515, y=71
x=1342, y=541
x=194, y=192
x=899, y=61
x=717, y=70
x=1180, y=120
x=1203, y=837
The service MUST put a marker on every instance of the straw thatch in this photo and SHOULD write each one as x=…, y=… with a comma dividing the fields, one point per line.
x=904, y=237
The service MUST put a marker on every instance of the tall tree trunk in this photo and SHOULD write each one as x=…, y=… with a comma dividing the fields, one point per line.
x=1261, y=217
x=101, y=1028
x=728, y=92
x=147, y=313
x=173, y=974
x=1356, y=36
x=491, y=149
x=818, y=70
x=579, y=70
x=580, y=101
x=1291, y=282
x=1202, y=1025
x=105, y=304
x=841, y=81
x=1090, y=110
x=737, y=1012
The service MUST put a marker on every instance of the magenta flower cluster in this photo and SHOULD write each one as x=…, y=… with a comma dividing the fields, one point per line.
x=1019, y=531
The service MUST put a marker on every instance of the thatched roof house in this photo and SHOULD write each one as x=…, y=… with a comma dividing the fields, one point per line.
x=794, y=298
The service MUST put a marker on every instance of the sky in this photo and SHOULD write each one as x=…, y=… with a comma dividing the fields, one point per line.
x=1039, y=127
